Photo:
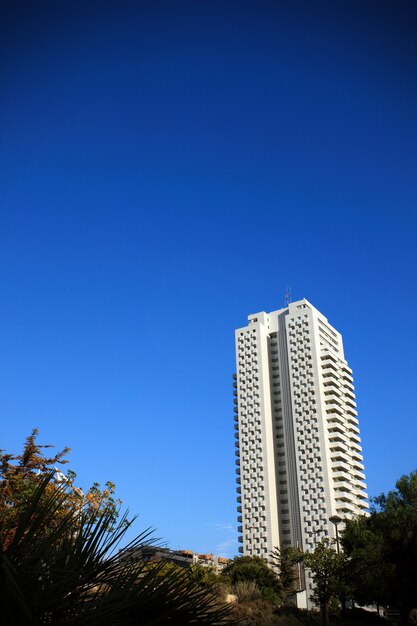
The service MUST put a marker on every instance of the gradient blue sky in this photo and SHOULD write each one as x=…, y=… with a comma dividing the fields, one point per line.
x=168, y=168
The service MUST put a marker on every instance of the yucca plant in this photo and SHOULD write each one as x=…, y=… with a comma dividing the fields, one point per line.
x=71, y=571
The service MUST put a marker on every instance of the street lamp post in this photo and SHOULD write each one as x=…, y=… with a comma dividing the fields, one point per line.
x=335, y=520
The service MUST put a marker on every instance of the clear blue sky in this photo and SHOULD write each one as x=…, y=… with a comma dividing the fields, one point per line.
x=166, y=169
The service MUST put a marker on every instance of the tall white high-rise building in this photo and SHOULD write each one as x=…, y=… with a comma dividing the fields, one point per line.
x=298, y=451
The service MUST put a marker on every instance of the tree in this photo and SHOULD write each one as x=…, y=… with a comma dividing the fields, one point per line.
x=283, y=561
x=206, y=576
x=254, y=569
x=383, y=549
x=368, y=573
x=327, y=569
x=74, y=573
x=21, y=474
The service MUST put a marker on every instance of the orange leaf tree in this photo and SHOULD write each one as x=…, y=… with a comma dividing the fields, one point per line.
x=21, y=474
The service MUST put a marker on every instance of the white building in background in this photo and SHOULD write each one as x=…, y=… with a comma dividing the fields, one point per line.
x=298, y=452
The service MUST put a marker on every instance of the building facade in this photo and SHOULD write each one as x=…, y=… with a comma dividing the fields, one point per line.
x=183, y=558
x=298, y=451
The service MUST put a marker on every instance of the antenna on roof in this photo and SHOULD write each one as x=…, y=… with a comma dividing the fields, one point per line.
x=288, y=295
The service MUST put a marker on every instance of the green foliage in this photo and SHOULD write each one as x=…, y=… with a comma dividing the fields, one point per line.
x=254, y=569
x=207, y=578
x=383, y=549
x=285, y=564
x=369, y=574
x=246, y=591
x=254, y=613
x=291, y=616
x=259, y=613
x=328, y=569
x=20, y=476
x=74, y=573
x=204, y=575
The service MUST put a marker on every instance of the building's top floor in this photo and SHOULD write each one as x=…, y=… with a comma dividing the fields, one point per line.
x=329, y=336
x=292, y=308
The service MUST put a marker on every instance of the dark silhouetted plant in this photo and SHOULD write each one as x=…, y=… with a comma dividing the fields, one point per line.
x=69, y=570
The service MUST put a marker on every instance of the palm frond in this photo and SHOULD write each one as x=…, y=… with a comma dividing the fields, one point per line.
x=63, y=567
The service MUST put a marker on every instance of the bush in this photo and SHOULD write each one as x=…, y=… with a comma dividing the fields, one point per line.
x=360, y=616
x=246, y=591
x=254, y=613
x=291, y=616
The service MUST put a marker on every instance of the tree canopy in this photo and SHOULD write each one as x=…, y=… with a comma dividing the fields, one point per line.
x=383, y=549
x=21, y=474
x=327, y=569
x=283, y=562
x=254, y=569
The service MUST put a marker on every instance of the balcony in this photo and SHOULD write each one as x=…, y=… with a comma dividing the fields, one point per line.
x=333, y=397
x=345, y=499
x=351, y=411
x=343, y=486
x=358, y=475
x=357, y=458
x=339, y=457
x=336, y=436
x=329, y=365
x=349, y=393
x=340, y=465
x=331, y=382
x=338, y=442
x=352, y=420
x=353, y=429
x=336, y=429
x=341, y=475
x=349, y=402
x=360, y=485
x=332, y=407
x=361, y=494
x=334, y=418
x=344, y=507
